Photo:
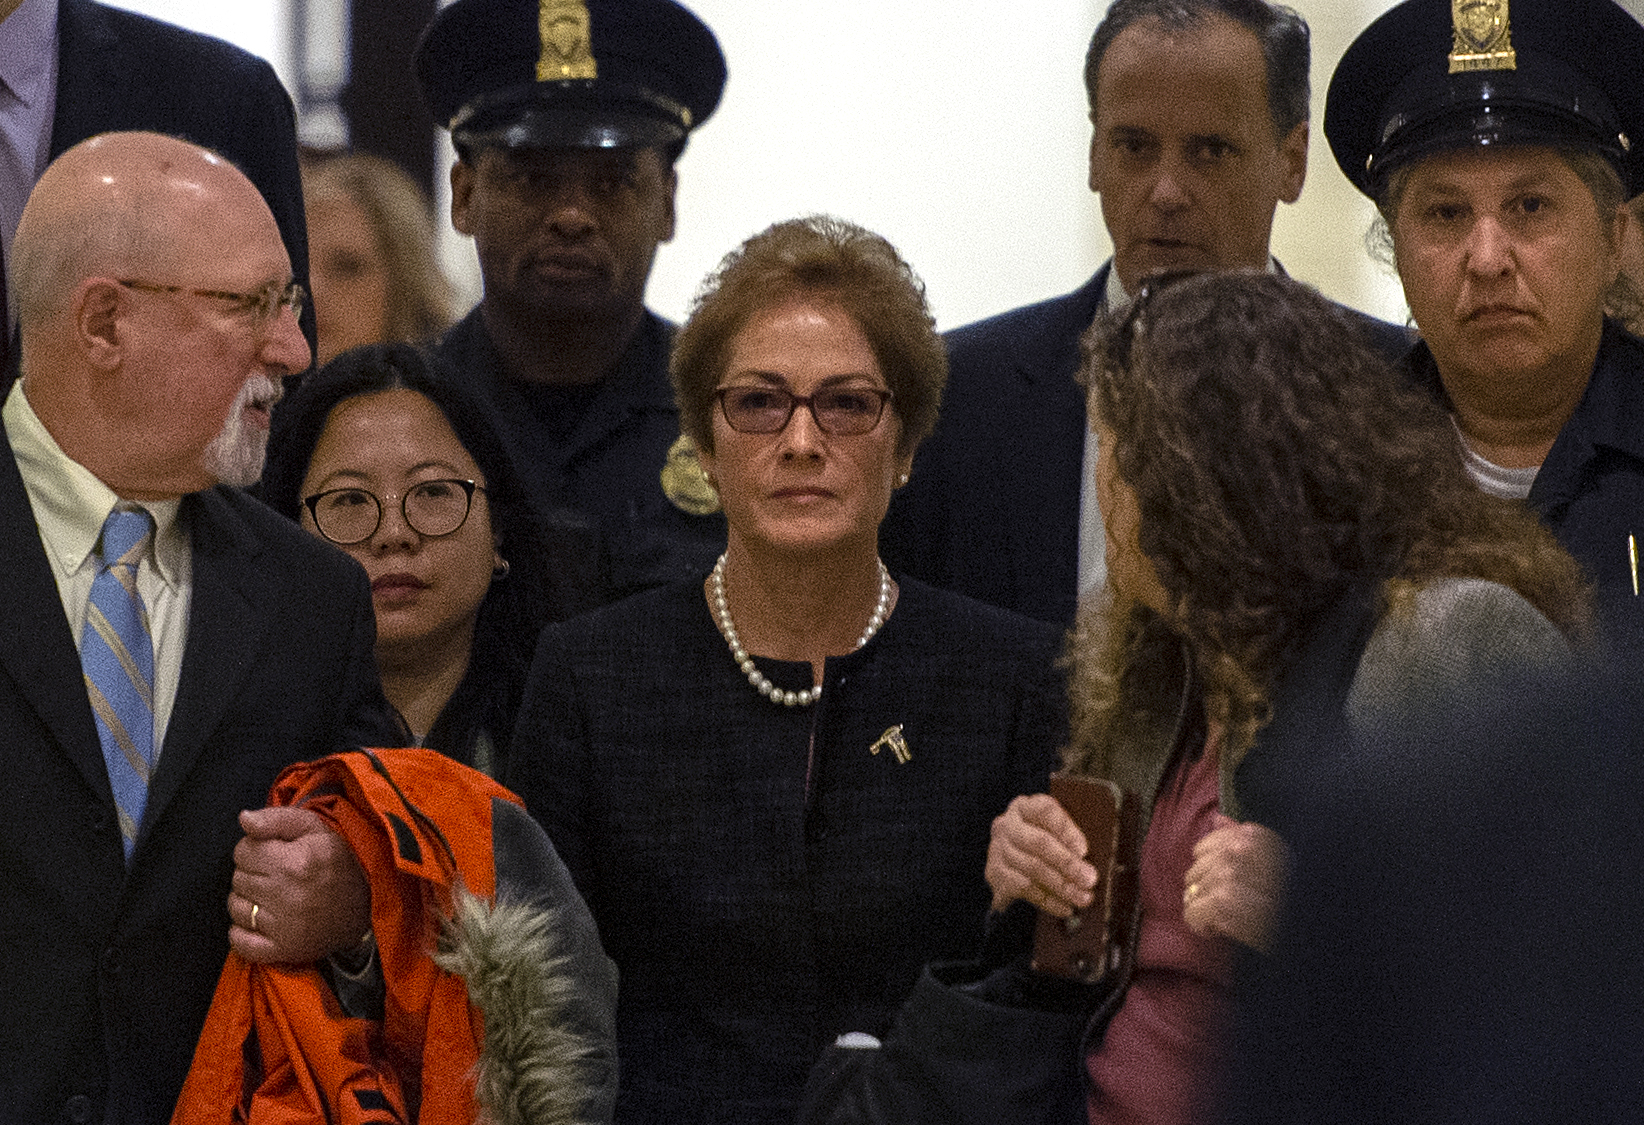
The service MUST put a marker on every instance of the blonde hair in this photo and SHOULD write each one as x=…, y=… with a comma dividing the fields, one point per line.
x=421, y=301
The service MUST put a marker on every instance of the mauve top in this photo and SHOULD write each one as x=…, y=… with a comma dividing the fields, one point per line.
x=1159, y=1059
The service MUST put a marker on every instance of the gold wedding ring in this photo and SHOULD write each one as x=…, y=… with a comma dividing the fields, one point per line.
x=254, y=909
x=1191, y=893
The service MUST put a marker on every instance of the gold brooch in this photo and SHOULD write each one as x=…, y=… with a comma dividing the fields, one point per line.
x=684, y=482
x=898, y=745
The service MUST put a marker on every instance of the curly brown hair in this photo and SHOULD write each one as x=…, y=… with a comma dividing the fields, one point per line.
x=814, y=256
x=1276, y=461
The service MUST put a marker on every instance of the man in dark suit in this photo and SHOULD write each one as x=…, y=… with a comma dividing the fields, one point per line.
x=156, y=309
x=118, y=70
x=1200, y=115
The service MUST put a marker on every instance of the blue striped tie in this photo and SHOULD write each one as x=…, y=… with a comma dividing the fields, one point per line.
x=117, y=654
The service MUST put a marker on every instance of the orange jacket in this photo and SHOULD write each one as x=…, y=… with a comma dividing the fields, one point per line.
x=277, y=1049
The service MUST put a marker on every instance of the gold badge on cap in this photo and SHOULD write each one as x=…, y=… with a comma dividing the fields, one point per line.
x=684, y=482
x=567, y=45
x=1484, y=36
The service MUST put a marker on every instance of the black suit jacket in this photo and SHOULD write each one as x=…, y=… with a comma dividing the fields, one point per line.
x=992, y=510
x=117, y=70
x=107, y=973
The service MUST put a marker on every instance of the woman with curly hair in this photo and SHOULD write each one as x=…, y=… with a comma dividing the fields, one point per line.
x=1297, y=559
x=1296, y=556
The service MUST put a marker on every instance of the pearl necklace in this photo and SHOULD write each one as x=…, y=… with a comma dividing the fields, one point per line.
x=722, y=611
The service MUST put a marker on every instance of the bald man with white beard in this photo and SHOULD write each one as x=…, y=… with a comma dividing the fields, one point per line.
x=157, y=315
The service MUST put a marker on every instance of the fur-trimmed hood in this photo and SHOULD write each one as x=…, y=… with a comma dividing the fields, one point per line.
x=548, y=995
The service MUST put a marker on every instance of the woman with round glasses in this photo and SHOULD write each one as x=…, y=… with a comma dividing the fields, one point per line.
x=773, y=784
x=391, y=459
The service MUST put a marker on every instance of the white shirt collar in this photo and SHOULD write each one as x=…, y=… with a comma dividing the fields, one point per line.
x=1117, y=297
x=70, y=504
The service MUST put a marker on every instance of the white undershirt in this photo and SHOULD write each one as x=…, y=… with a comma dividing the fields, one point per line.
x=1092, y=534
x=1494, y=479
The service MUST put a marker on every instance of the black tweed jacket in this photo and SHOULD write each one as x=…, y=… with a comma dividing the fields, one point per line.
x=763, y=880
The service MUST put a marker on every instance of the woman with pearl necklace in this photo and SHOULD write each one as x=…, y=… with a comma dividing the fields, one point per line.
x=774, y=783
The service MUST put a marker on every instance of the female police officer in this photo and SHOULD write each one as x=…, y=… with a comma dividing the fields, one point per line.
x=1500, y=148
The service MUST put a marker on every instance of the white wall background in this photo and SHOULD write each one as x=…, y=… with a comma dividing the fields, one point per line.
x=957, y=128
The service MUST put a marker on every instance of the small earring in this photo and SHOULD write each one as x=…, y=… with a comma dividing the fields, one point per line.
x=500, y=570
x=901, y=480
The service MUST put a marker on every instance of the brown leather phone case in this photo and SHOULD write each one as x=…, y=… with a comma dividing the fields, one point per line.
x=1094, y=942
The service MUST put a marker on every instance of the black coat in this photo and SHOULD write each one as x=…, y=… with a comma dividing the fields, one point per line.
x=108, y=972
x=1462, y=944
x=761, y=893
x=117, y=70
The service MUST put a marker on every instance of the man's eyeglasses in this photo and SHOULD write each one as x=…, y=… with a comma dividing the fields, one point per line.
x=432, y=508
x=266, y=303
x=839, y=411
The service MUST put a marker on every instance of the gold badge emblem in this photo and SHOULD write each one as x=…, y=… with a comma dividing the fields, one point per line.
x=1484, y=36
x=567, y=46
x=684, y=482
x=892, y=739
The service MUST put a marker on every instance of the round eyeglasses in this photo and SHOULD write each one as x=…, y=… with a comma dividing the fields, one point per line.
x=839, y=411
x=432, y=508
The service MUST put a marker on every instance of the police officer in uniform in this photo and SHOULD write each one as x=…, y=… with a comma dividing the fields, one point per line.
x=1500, y=140
x=568, y=118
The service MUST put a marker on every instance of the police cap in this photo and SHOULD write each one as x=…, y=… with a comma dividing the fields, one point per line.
x=1435, y=76
x=569, y=73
